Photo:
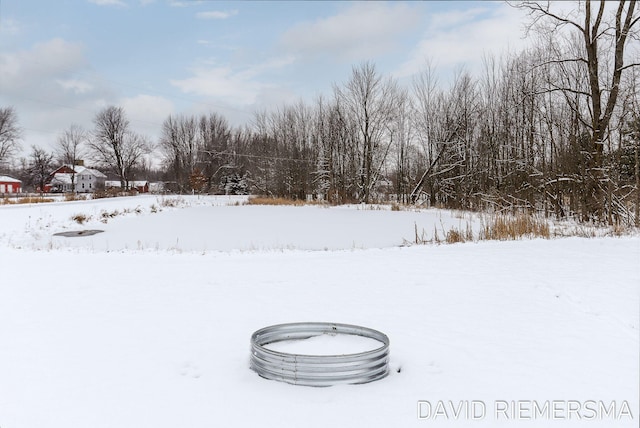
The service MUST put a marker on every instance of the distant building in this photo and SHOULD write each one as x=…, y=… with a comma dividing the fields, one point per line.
x=10, y=185
x=141, y=186
x=60, y=183
x=77, y=178
x=156, y=187
x=89, y=180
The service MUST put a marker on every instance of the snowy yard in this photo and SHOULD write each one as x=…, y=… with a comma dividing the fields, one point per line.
x=148, y=323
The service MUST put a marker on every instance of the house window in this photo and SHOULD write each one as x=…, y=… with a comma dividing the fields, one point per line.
x=83, y=185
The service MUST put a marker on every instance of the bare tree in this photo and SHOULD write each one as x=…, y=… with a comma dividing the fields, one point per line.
x=335, y=137
x=115, y=146
x=69, y=148
x=39, y=167
x=430, y=129
x=601, y=58
x=401, y=135
x=180, y=143
x=10, y=133
x=213, y=155
x=371, y=101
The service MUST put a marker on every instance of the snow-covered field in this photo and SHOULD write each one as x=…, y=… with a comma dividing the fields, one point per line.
x=147, y=324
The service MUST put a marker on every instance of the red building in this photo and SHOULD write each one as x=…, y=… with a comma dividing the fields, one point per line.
x=10, y=185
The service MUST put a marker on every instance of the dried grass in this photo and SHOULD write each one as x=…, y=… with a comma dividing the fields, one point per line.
x=80, y=218
x=25, y=200
x=265, y=200
x=112, y=193
x=493, y=227
x=504, y=228
x=455, y=236
x=171, y=202
x=69, y=197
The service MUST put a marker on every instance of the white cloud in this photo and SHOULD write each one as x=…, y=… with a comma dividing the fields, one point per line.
x=237, y=86
x=9, y=27
x=33, y=70
x=75, y=85
x=463, y=37
x=147, y=112
x=119, y=3
x=362, y=31
x=178, y=3
x=221, y=82
x=447, y=20
x=52, y=85
x=216, y=14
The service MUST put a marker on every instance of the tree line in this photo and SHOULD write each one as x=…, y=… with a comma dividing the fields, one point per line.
x=554, y=128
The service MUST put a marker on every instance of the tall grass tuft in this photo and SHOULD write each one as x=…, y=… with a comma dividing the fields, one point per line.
x=504, y=228
x=69, y=197
x=25, y=200
x=265, y=200
x=80, y=218
x=455, y=236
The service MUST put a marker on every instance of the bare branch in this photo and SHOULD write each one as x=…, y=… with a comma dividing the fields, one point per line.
x=536, y=9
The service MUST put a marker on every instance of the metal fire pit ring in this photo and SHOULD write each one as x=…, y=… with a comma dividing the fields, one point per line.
x=318, y=370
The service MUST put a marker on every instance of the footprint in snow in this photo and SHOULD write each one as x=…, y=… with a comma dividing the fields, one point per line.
x=189, y=370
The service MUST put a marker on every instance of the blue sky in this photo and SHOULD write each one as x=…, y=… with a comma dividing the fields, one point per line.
x=62, y=61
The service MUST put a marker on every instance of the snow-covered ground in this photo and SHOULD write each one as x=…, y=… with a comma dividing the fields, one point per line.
x=217, y=224
x=148, y=323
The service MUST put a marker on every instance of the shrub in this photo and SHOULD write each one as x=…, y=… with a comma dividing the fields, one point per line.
x=265, y=200
x=74, y=197
x=80, y=218
x=454, y=236
x=106, y=214
x=25, y=200
x=171, y=202
x=111, y=192
x=510, y=228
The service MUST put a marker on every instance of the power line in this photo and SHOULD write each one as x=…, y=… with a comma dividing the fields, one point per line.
x=258, y=156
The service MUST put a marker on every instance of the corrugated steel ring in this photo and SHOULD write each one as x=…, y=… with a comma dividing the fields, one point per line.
x=318, y=370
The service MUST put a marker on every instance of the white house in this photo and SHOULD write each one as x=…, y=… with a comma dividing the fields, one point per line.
x=87, y=180
x=61, y=182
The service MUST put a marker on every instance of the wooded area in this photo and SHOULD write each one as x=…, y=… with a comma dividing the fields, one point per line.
x=553, y=129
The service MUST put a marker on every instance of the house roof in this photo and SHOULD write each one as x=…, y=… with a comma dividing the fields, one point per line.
x=98, y=174
x=62, y=178
x=7, y=179
x=78, y=169
x=62, y=169
x=84, y=170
